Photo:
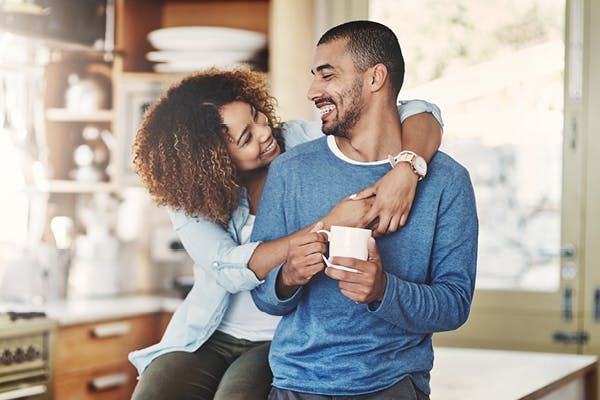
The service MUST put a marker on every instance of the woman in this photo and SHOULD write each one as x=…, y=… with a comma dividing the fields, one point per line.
x=203, y=151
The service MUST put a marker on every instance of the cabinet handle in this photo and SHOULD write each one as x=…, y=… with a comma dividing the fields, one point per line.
x=108, y=382
x=108, y=330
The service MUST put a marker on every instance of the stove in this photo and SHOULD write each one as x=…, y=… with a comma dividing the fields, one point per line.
x=26, y=349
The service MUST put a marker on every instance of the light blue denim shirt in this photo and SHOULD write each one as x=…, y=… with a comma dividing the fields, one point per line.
x=221, y=263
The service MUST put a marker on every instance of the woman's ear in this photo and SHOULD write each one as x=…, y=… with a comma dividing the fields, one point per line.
x=378, y=76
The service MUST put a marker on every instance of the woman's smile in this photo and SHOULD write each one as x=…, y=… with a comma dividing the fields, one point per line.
x=271, y=148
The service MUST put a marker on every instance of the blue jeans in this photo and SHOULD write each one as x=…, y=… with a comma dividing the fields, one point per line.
x=223, y=368
x=403, y=390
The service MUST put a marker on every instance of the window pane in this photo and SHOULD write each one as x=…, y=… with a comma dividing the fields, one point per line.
x=496, y=70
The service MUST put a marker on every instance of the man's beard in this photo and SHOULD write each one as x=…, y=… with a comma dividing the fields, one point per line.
x=352, y=115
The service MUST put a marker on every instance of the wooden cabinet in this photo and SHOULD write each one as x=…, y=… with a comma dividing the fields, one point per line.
x=91, y=359
x=127, y=84
x=136, y=18
x=64, y=126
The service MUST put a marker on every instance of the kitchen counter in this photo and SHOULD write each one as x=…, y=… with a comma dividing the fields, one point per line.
x=76, y=311
x=457, y=373
x=510, y=375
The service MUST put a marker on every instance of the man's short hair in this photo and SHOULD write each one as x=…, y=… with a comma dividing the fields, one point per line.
x=370, y=43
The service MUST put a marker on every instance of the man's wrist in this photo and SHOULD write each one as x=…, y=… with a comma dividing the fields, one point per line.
x=383, y=286
x=406, y=171
x=374, y=305
x=283, y=289
x=417, y=163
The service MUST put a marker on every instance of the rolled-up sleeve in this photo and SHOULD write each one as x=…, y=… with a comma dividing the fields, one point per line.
x=408, y=108
x=211, y=246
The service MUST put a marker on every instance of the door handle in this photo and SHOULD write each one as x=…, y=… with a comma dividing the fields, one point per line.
x=566, y=251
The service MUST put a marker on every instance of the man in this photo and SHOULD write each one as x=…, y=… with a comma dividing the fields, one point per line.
x=365, y=334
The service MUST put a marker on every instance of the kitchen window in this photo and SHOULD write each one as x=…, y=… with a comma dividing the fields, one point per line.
x=496, y=69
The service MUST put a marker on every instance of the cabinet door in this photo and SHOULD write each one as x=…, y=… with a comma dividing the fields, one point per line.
x=103, y=344
x=91, y=359
x=115, y=383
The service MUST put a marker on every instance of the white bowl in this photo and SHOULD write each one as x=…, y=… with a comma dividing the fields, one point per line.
x=206, y=37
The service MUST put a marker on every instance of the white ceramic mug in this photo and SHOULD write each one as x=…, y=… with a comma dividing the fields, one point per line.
x=345, y=241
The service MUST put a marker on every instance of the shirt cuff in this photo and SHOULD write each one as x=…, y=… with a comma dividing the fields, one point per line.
x=408, y=108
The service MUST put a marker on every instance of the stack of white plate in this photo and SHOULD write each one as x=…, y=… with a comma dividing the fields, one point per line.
x=190, y=48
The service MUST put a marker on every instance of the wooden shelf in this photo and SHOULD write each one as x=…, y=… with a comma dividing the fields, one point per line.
x=131, y=36
x=64, y=115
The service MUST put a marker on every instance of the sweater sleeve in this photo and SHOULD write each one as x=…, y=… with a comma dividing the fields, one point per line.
x=270, y=223
x=444, y=302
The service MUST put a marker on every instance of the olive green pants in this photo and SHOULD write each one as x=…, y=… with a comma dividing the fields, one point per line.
x=223, y=368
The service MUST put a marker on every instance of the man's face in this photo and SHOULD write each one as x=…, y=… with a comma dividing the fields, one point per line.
x=336, y=89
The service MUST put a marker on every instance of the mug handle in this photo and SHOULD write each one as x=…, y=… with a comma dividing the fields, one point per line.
x=326, y=232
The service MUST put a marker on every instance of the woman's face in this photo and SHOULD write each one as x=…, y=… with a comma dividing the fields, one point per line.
x=250, y=140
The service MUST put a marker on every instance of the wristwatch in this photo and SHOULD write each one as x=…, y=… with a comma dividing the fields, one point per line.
x=417, y=163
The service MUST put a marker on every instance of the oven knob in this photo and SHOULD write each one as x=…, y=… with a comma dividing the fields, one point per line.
x=31, y=353
x=19, y=355
x=6, y=357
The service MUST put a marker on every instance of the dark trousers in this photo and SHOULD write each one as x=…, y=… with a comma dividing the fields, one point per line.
x=223, y=368
x=403, y=390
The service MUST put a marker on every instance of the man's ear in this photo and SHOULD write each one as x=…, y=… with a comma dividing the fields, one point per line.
x=378, y=76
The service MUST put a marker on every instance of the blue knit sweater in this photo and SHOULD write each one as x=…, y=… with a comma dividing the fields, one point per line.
x=327, y=344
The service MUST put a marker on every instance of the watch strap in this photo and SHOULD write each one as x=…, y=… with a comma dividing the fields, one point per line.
x=405, y=156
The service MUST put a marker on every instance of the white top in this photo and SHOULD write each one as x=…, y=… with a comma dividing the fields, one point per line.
x=242, y=319
x=338, y=153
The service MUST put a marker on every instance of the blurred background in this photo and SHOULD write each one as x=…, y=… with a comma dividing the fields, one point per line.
x=80, y=241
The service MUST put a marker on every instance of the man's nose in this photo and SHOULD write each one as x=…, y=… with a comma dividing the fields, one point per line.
x=314, y=91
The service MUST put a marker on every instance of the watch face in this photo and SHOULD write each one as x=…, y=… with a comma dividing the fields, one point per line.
x=420, y=166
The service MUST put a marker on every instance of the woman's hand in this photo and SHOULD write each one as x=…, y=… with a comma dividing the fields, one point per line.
x=350, y=212
x=393, y=197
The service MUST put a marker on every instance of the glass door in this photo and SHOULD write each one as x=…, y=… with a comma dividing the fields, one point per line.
x=497, y=71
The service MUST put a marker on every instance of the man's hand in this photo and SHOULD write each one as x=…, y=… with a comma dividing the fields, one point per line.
x=304, y=260
x=366, y=285
x=394, y=194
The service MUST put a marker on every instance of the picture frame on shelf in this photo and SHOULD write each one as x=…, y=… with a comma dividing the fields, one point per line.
x=134, y=95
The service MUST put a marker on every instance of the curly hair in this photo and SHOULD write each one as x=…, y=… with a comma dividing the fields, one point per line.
x=180, y=151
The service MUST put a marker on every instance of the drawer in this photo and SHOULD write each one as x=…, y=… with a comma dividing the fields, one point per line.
x=116, y=383
x=101, y=344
